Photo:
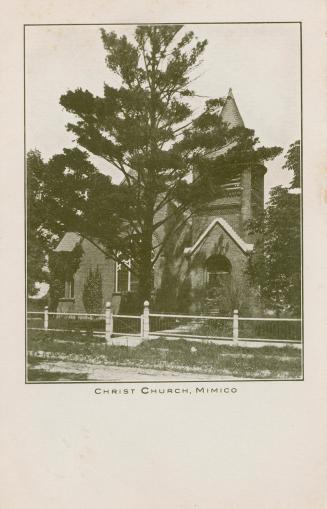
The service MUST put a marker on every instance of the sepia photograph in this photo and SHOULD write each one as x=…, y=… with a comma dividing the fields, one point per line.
x=164, y=221
x=163, y=214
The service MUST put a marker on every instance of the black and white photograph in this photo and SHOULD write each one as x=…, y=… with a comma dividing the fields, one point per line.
x=163, y=214
x=163, y=254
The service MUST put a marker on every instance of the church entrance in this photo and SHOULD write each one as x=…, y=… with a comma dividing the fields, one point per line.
x=218, y=284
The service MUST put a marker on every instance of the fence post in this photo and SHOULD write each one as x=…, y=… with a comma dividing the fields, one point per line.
x=146, y=324
x=142, y=326
x=109, y=323
x=235, y=326
x=46, y=318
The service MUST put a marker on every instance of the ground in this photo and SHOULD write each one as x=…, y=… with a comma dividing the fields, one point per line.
x=82, y=358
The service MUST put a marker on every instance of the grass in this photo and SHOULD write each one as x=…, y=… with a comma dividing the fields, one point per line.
x=162, y=354
x=39, y=375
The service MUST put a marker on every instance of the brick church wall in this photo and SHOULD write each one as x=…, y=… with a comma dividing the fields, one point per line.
x=218, y=242
x=231, y=214
x=91, y=259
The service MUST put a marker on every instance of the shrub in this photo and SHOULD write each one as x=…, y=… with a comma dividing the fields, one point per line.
x=92, y=293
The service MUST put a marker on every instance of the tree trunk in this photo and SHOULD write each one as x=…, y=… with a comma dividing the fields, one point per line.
x=145, y=265
x=145, y=284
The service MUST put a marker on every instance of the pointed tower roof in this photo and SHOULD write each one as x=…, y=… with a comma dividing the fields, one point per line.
x=230, y=113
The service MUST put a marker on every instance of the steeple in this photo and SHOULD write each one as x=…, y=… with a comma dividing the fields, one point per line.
x=230, y=113
x=240, y=198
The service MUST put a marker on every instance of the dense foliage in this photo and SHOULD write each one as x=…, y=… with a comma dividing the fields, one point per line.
x=36, y=243
x=276, y=263
x=92, y=292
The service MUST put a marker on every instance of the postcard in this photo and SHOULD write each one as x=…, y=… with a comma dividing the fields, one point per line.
x=164, y=226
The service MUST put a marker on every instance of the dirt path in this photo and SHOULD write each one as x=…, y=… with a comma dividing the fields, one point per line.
x=103, y=373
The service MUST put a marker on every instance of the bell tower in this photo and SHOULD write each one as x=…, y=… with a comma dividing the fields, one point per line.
x=242, y=197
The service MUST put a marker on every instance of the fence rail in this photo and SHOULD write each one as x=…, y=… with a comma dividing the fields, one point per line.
x=207, y=327
x=149, y=325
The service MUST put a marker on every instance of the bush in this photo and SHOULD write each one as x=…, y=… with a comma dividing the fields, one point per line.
x=92, y=293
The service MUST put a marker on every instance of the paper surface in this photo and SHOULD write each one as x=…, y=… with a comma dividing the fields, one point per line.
x=263, y=445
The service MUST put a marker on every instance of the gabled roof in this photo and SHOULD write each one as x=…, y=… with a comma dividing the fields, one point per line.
x=230, y=112
x=244, y=246
x=68, y=242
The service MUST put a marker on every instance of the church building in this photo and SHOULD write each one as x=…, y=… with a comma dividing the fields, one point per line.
x=204, y=269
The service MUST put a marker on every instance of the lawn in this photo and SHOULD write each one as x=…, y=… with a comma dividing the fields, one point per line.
x=268, y=362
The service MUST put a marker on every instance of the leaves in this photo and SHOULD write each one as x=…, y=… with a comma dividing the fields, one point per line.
x=292, y=163
x=276, y=263
x=92, y=292
x=37, y=239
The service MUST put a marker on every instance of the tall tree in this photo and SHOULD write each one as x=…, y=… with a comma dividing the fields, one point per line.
x=276, y=263
x=146, y=129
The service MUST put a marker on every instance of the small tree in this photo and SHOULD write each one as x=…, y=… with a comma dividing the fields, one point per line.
x=92, y=293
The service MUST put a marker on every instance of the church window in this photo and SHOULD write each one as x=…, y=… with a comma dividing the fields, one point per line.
x=126, y=281
x=69, y=289
x=133, y=282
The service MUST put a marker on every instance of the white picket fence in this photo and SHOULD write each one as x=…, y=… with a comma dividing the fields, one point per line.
x=233, y=329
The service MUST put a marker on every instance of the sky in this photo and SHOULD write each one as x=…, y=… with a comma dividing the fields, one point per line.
x=260, y=62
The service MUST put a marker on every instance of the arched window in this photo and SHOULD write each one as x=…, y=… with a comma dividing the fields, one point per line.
x=218, y=269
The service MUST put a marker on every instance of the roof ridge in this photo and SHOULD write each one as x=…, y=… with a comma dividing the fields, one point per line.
x=68, y=242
